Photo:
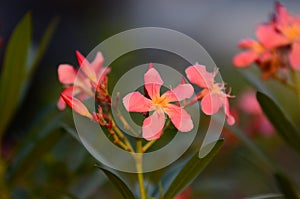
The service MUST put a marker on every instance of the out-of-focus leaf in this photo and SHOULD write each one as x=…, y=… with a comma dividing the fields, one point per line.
x=86, y=186
x=266, y=196
x=43, y=45
x=253, y=80
x=13, y=72
x=286, y=186
x=16, y=73
x=252, y=147
x=280, y=121
x=118, y=183
x=190, y=171
x=33, y=154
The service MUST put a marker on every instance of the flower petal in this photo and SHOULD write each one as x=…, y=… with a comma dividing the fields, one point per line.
x=69, y=91
x=197, y=74
x=244, y=59
x=136, y=102
x=153, y=83
x=77, y=105
x=179, y=117
x=247, y=43
x=153, y=125
x=230, y=118
x=181, y=92
x=295, y=56
x=86, y=67
x=66, y=73
x=268, y=36
x=211, y=103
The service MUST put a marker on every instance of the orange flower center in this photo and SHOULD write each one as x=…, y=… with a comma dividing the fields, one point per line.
x=292, y=32
x=159, y=103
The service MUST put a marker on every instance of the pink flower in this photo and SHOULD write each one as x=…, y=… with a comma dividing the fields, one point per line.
x=159, y=105
x=259, y=50
x=214, y=96
x=260, y=123
x=289, y=26
x=87, y=79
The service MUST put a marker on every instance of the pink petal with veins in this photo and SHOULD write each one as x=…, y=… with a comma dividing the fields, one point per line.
x=179, y=117
x=211, y=103
x=86, y=68
x=136, y=102
x=153, y=125
x=181, y=92
x=197, y=74
x=66, y=73
x=153, y=83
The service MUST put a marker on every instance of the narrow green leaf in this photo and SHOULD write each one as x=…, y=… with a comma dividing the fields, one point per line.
x=286, y=186
x=13, y=72
x=118, y=183
x=43, y=45
x=280, y=120
x=190, y=171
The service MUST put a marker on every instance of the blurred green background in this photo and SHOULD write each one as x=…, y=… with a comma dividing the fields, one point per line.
x=64, y=169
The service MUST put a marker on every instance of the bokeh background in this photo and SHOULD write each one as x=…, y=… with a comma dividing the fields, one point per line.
x=217, y=25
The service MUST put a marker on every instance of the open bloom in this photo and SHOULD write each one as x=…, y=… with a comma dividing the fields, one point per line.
x=159, y=104
x=289, y=26
x=80, y=83
x=261, y=50
x=213, y=93
x=259, y=123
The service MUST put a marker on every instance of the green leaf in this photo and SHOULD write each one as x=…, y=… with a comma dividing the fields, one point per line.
x=286, y=186
x=253, y=80
x=190, y=170
x=118, y=183
x=30, y=154
x=280, y=120
x=43, y=45
x=13, y=72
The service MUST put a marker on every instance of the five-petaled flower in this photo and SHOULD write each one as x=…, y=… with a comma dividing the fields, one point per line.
x=213, y=94
x=159, y=104
x=81, y=83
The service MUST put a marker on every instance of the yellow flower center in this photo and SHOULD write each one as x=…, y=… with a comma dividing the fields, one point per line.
x=159, y=103
x=292, y=32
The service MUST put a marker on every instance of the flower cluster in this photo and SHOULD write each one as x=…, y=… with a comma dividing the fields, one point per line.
x=81, y=84
x=91, y=80
x=277, y=48
x=212, y=96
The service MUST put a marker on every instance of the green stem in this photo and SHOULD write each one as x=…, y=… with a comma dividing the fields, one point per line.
x=296, y=80
x=139, y=167
x=148, y=145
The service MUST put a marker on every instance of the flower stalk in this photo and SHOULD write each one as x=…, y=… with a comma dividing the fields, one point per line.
x=139, y=167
